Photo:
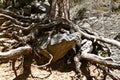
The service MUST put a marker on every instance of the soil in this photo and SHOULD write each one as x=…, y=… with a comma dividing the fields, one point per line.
x=57, y=71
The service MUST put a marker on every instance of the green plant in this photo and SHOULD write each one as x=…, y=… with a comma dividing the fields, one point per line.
x=1, y=4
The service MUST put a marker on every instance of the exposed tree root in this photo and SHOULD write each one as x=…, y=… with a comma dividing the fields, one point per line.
x=86, y=54
x=15, y=53
x=48, y=63
x=93, y=37
x=44, y=38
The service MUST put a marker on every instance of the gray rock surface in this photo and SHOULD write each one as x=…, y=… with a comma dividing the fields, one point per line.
x=104, y=22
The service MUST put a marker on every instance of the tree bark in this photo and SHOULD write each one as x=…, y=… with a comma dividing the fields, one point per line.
x=15, y=53
x=59, y=8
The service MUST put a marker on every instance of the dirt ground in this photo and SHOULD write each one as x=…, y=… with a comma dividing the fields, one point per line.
x=58, y=71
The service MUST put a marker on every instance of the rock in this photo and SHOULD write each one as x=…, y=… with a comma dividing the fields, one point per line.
x=59, y=45
x=98, y=16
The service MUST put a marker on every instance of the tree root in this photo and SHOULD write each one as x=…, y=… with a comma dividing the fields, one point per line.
x=15, y=53
x=48, y=63
x=92, y=37
x=96, y=59
x=14, y=20
x=33, y=29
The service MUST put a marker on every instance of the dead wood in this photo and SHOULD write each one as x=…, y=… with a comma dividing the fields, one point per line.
x=15, y=53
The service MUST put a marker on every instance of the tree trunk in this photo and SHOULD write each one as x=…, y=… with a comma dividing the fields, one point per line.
x=59, y=9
